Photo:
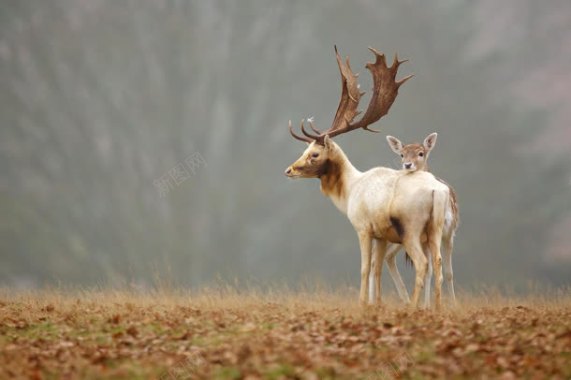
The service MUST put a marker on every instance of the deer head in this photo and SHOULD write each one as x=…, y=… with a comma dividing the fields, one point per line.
x=314, y=161
x=414, y=156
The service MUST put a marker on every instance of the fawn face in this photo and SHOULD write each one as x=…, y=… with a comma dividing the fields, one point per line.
x=414, y=156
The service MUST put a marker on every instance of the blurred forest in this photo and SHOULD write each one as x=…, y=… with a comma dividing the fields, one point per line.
x=102, y=99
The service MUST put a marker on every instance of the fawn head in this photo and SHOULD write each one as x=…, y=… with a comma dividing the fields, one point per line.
x=414, y=156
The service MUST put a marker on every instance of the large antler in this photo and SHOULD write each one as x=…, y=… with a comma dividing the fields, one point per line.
x=350, y=96
x=385, y=90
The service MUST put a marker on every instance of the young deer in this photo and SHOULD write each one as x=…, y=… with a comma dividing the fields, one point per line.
x=415, y=158
x=382, y=204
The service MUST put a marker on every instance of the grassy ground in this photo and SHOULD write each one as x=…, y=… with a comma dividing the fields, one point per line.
x=232, y=335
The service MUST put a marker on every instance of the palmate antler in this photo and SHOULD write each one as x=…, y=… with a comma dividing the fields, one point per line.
x=385, y=90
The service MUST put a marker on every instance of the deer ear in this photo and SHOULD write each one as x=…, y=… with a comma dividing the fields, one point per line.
x=430, y=141
x=395, y=144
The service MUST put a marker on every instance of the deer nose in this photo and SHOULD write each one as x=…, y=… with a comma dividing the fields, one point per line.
x=408, y=165
x=288, y=171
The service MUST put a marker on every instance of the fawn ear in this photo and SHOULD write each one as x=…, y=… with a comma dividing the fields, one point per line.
x=395, y=144
x=430, y=141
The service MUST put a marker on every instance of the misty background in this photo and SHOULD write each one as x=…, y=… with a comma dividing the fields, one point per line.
x=145, y=141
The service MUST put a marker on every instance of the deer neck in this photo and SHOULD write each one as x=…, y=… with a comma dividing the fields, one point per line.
x=337, y=177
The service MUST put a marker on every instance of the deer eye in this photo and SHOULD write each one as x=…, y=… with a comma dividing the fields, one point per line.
x=402, y=155
x=315, y=155
x=421, y=154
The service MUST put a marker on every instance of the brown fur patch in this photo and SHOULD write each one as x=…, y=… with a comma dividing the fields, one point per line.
x=331, y=179
x=397, y=226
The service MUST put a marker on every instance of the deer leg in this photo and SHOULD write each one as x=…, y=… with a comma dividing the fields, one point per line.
x=435, y=235
x=448, y=273
x=416, y=254
x=379, y=254
x=428, y=280
x=394, y=272
x=374, y=262
x=365, y=245
x=434, y=245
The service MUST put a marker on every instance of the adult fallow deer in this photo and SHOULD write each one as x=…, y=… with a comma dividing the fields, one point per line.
x=414, y=157
x=382, y=204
